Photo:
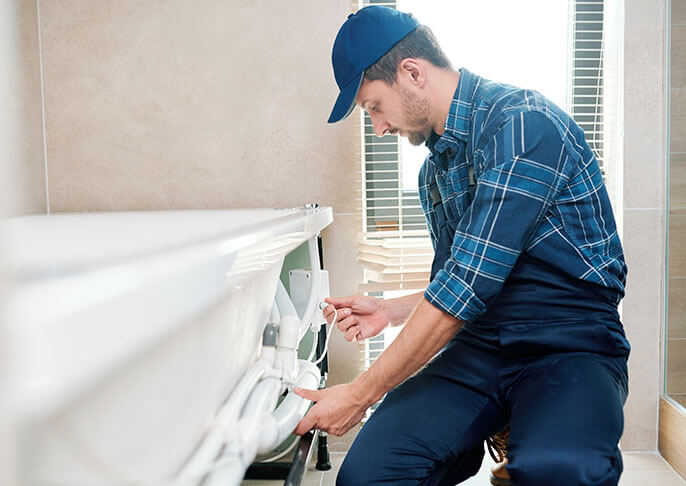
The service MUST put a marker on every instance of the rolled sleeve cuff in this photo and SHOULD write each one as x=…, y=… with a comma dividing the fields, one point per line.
x=454, y=296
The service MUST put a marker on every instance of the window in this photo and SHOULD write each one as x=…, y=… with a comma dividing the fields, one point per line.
x=594, y=84
x=585, y=101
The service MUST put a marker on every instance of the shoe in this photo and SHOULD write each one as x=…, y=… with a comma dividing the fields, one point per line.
x=499, y=475
x=497, y=448
x=500, y=481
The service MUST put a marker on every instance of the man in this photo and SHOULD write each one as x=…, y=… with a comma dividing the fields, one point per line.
x=522, y=302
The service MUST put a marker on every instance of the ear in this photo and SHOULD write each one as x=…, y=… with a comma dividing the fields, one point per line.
x=412, y=71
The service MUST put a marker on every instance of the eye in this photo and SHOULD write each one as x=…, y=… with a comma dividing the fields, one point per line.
x=375, y=108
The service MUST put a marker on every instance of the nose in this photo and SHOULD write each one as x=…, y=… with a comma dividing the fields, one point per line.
x=381, y=126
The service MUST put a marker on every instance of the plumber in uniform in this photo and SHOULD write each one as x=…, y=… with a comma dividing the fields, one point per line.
x=522, y=300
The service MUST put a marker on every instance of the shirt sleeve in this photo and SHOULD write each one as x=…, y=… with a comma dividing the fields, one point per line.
x=526, y=165
x=423, y=185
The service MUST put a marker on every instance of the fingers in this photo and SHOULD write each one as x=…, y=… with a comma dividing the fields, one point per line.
x=353, y=334
x=335, y=411
x=344, y=317
x=312, y=395
x=350, y=326
x=306, y=424
x=339, y=302
x=340, y=313
x=345, y=324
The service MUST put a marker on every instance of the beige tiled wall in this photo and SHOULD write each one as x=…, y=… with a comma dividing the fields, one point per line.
x=176, y=104
x=25, y=163
x=645, y=155
x=207, y=104
x=676, y=317
x=340, y=257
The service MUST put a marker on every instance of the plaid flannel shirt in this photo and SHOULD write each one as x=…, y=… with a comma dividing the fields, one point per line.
x=539, y=189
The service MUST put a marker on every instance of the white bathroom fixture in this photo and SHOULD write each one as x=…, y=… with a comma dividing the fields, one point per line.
x=126, y=332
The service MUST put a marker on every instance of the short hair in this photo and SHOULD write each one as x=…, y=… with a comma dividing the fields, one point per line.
x=420, y=43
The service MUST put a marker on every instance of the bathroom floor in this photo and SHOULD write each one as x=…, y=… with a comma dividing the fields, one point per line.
x=640, y=468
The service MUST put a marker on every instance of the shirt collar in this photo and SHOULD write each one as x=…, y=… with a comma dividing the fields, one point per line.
x=457, y=125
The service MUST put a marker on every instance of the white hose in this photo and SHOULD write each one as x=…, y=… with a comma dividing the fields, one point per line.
x=258, y=430
x=262, y=401
x=282, y=454
x=226, y=419
x=315, y=342
x=274, y=314
x=328, y=338
x=229, y=470
x=290, y=412
x=244, y=439
x=284, y=302
x=256, y=399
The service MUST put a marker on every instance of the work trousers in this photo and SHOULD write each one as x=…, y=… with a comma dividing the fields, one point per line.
x=559, y=384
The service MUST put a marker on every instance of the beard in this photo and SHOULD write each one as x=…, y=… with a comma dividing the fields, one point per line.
x=417, y=113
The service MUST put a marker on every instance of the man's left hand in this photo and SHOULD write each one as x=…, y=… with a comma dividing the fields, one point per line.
x=336, y=409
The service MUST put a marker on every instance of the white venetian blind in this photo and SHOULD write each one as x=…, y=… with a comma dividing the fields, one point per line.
x=594, y=74
x=394, y=245
x=585, y=95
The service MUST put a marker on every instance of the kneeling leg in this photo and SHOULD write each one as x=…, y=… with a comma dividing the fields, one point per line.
x=428, y=431
x=567, y=420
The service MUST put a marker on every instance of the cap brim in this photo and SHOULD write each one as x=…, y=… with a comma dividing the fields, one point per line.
x=346, y=100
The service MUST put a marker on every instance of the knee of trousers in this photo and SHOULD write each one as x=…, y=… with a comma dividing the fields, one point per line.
x=565, y=468
x=355, y=471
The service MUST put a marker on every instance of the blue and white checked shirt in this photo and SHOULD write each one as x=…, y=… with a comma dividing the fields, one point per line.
x=539, y=190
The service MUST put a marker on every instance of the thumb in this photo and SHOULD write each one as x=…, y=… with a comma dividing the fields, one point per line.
x=312, y=395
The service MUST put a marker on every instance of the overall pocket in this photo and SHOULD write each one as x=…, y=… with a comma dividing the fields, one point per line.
x=519, y=340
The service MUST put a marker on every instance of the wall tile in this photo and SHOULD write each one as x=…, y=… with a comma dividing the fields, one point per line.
x=340, y=254
x=645, y=135
x=677, y=181
x=340, y=258
x=676, y=366
x=677, y=243
x=642, y=315
x=676, y=322
x=678, y=56
x=679, y=397
x=676, y=348
x=8, y=124
x=644, y=104
x=677, y=121
x=26, y=166
x=175, y=104
x=678, y=12
x=675, y=371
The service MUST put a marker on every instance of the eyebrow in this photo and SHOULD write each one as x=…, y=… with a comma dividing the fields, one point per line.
x=364, y=103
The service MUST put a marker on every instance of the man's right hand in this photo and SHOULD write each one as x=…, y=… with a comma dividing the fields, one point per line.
x=359, y=316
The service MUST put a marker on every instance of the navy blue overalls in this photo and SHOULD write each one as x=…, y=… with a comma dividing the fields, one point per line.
x=548, y=358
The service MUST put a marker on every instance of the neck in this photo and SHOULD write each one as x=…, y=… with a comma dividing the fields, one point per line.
x=444, y=90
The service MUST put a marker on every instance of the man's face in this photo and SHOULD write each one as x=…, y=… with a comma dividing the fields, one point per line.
x=395, y=108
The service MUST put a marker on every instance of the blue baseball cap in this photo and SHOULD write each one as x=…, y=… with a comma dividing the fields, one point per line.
x=363, y=39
